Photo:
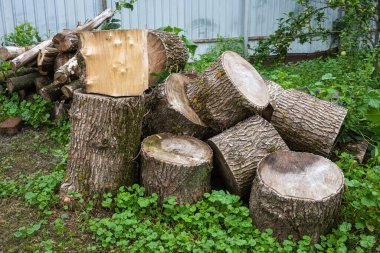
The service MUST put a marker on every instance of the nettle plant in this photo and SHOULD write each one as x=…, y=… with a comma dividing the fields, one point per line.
x=358, y=27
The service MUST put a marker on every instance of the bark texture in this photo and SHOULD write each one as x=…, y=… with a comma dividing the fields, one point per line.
x=29, y=55
x=21, y=82
x=68, y=89
x=274, y=205
x=176, y=166
x=41, y=82
x=238, y=150
x=104, y=143
x=168, y=110
x=274, y=91
x=51, y=92
x=66, y=41
x=69, y=70
x=46, y=59
x=222, y=99
x=307, y=123
x=166, y=52
x=62, y=59
x=11, y=52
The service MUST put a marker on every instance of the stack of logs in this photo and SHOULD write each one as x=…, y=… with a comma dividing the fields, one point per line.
x=264, y=143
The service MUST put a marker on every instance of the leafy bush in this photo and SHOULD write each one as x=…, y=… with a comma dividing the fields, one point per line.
x=24, y=35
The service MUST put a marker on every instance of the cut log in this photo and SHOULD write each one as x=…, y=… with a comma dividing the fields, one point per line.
x=67, y=40
x=176, y=166
x=29, y=55
x=51, y=92
x=11, y=126
x=68, y=71
x=10, y=52
x=307, y=123
x=4, y=75
x=21, y=82
x=41, y=82
x=296, y=194
x=168, y=110
x=104, y=143
x=167, y=52
x=238, y=150
x=227, y=92
x=357, y=148
x=68, y=89
x=46, y=59
x=274, y=91
x=61, y=60
x=116, y=62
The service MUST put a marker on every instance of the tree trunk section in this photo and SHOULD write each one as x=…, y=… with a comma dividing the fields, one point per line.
x=238, y=150
x=51, y=92
x=227, y=92
x=46, y=59
x=41, y=82
x=176, y=166
x=274, y=91
x=168, y=110
x=307, y=123
x=68, y=89
x=62, y=59
x=66, y=41
x=68, y=71
x=4, y=75
x=296, y=194
x=21, y=82
x=104, y=143
x=166, y=52
x=29, y=55
x=10, y=52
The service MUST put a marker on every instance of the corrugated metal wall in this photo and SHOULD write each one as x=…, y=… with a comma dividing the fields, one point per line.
x=201, y=19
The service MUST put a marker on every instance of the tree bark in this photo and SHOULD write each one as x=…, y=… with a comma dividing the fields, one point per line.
x=296, y=194
x=227, y=92
x=66, y=41
x=68, y=89
x=238, y=150
x=168, y=110
x=46, y=59
x=104, y=143
x=62, y=59
x=10, y=52
x=274, y=91
x=68, y=71
x=4, y=75
x=51, y=92
x=307, y=123
x=166, y=52
x=176, y=166
x=41, y=82
x=21, y=82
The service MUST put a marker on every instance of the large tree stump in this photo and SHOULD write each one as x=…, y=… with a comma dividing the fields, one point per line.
x=227, y=92
x=168, y=110
x=296, y=194
x=238, y=150
x=307, y=123
x=166, y=52
x=104, y=143
x=176, y=166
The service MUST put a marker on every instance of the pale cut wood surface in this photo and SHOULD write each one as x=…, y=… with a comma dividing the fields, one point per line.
x=116, y=62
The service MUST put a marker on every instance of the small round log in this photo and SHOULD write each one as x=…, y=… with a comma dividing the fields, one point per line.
x=238, y=150
x=41, y=82
x=51, y=92
x=66, y=41
x=166, y=52
x=46, y=59
x=176, y=166
x=227, y=92
x=168, y=110
x=296, y=194
x=307, y=123
x=68, y=89
x=104, y=143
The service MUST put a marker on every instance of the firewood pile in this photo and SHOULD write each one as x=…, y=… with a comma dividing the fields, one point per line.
x=264, y=143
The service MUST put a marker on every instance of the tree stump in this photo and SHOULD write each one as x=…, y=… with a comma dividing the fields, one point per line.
x=296, y=194
x=307, y=123
x=238, y=150
x=168, y=110
x=227, y=92
x=176, y=166
x=166, y=52
x=104, y=143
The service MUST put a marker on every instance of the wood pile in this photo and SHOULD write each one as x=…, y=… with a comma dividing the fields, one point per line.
x=267, y=144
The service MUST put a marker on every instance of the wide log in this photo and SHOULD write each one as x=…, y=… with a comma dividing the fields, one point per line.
x=168, y=110
x=10, y=52
x=176, y=166
x=307, y=123
x=166, y=52
x=46, y=59
x=227, y=92
x=67, y=40
x=296, y=194
x=68, y=89
x=104, y=144
x=21, y=82
x=68, y=71
x=238, y=150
